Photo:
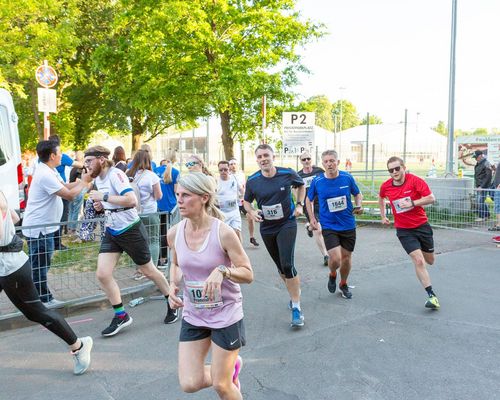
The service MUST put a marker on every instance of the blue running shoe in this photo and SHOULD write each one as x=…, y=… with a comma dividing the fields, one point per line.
x=297, y=318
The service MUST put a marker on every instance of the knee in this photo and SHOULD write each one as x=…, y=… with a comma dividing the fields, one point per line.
x=222, y=387
x=430, y=259
x=148, y=270
x=289, y=271
x=419, y=262
x=103, y=276
x=190, y=385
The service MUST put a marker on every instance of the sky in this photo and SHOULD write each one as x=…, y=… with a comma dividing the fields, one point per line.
x=386, y=56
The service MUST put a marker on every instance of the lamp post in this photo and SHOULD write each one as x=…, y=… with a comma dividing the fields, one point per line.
x=451, y=92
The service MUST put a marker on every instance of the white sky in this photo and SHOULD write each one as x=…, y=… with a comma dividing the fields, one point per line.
x=395, y=54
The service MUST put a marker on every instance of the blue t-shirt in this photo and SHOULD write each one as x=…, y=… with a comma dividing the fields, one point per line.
x=274, y=198
x=334, y=197
x=66, y=161
x=168, y=201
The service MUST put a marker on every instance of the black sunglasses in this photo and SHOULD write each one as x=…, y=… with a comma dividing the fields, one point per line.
x=306, y=159
x=391, y=170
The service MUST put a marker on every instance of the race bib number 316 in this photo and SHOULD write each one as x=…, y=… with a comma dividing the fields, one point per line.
x=273, y=212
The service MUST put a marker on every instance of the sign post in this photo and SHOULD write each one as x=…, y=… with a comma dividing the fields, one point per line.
x=46, y=76
x=298, y=132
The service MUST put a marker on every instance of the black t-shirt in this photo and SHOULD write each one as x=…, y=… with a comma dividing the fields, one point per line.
x=307, y=181
x=274, y=198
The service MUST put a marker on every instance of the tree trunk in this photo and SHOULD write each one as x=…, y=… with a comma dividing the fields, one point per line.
x=34, y=108
x=227, y=137
x=137, y=130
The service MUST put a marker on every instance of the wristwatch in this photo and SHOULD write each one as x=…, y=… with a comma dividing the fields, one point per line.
x=300, y=203
x=223, y=270
x=105, y=197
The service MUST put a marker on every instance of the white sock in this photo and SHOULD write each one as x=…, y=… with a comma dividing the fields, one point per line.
x=296, y=305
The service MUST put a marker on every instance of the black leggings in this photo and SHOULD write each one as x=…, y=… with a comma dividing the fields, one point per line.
x=163, y=236
x=20, y=289
x=281, y=248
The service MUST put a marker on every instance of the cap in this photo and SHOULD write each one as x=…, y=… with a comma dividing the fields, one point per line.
x=477, y=153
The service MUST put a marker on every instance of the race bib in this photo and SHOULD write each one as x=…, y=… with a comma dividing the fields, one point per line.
x=308, y=180
x=195, y=290
x=397, y=205
x=228, y=205
x=108, y=218
x=336, y=204
x=273, y=212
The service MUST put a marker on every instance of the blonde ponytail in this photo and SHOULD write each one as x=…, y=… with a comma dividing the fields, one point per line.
x=200, y=184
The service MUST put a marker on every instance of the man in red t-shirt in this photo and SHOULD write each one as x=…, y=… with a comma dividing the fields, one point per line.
x=407, y=194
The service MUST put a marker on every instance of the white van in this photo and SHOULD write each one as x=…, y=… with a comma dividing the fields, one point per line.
x=11, y=169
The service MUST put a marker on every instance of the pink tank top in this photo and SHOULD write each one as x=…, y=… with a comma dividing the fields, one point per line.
x=196, y=266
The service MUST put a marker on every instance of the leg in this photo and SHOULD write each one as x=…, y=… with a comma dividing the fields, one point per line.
x=151, y=272
x=152, y=225
x=163, y=237
x=222, y=373
x=194, y=375
x=420, y=267
x=40, y=251
x=251, y=226
x=106, y=262
x=318, y=237
x=335, y=259
x=345, y=264
x=286, y=248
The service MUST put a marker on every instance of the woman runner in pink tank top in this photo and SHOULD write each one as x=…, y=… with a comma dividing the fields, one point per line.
x=209, y=258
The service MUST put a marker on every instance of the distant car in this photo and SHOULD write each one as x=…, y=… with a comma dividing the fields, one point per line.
x=11, y=169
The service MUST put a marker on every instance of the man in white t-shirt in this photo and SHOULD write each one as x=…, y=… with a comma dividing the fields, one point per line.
x=43, y=213
x=124, y=232
x=228, y=193
x=240, y=176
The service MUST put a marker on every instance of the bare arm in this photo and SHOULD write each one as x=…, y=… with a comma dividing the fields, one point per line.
x=175, y=272
x=424, y=201
x=254, y=214
x=358, y=199
x=73, y=191
x=157, y=193
x=381, y=206
x=126, y=200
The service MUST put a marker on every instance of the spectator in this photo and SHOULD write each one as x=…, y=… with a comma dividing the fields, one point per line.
x=482, y=180
x=150, y=191
x=194, y=163
x=119, y=158
x=76, y=205
x=45, y=208
x=168, y=183
x=145, y=147
x=496, y=187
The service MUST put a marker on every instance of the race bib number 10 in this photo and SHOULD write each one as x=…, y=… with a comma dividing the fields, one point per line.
x=273, y=212
x=195, y=290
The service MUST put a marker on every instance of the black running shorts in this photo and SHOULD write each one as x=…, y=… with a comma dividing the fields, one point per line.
x=230, y=338
x=419, y=238
x=134, y=242
x=345, y=239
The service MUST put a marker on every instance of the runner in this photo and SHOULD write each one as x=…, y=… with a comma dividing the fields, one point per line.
x=334, y=190
x=210, y=258
x=407, y=194
x=15, y=279
x=271, y=187
x=307, y=173
x=228, y=192
x=240, y=176
x=124, y=232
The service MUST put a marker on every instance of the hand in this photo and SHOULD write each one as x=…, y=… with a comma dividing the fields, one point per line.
x=98, y=206
x=256, y=215
x=385, y=221
x=174, y=300
x=357, y=210
x=314, y=224
x=96, y=195
x=86, y=178
x=299, y=210
x=406, y=203
x=213, y=285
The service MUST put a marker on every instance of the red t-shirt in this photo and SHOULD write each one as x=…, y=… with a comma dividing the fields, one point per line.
x=413, y=187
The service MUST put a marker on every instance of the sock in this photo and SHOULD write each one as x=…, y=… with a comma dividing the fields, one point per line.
x=166, y=297
x=333, y=274
x=296, y=305
x=343, y=282
x=120, y=310
x=429, y=291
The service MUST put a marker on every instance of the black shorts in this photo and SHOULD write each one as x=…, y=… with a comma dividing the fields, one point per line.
x=419, y=238
x=229, y=338
x=345, y=239
x=134, y=242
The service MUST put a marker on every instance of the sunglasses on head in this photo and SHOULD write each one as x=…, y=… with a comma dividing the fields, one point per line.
x=306, y=159
x=190, y=164
x=391, y=170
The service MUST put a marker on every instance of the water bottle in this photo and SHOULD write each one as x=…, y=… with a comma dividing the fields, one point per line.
x=136, y=301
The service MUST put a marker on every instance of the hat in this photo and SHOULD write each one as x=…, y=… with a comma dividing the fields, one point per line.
x=477, y=153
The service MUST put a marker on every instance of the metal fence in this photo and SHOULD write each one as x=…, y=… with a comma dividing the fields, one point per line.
x=71, y=277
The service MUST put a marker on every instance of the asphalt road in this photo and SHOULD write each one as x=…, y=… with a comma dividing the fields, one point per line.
x=381, y=345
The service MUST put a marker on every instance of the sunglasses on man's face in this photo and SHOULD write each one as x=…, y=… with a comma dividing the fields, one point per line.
x=306, y=159
x=223, y=169
x=190, y=164
x=391, y=170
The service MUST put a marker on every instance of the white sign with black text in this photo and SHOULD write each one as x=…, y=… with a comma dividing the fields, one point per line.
x=298, y=131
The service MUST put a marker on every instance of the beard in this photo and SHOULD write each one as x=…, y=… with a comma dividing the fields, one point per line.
x=96, y=171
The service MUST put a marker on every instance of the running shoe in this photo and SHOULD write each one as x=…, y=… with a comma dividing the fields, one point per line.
x=117, y=324
x=81, y=357
x=254, y=242
x=325, y=260
x=297, y=317
x=432, y=302
x=172, y=315
x=496, y=239
x=138, y=275
x=494, y=228
x=238, y=365
x=309, y=232
x=332, y=284
x=344, y=290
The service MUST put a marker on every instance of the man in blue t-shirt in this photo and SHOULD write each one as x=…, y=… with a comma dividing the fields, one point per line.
x=334, y=189
x=271, y=188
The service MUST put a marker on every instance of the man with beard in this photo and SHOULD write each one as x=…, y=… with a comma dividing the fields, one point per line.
x=271, y=188
x=124, y=232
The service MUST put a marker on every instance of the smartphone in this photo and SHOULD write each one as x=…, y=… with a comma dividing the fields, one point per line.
x=355, y=209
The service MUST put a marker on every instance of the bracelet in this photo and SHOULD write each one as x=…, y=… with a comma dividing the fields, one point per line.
x=412, y=203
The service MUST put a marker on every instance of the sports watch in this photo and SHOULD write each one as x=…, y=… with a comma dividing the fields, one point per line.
x=223, y=270
x=105, y=197
x=300, y=203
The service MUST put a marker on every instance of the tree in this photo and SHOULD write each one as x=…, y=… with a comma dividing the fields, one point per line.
x=346, y=113
x=441, y=128
x=322, y=106
x=374, y=120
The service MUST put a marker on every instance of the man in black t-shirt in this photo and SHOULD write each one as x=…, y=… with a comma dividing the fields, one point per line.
x=308, y=173
x=271, y=187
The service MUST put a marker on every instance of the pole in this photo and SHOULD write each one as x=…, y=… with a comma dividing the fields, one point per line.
x=404, y=140
x=46, y=126
x=451, y=92
x=367, y=142
x=373, y=168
